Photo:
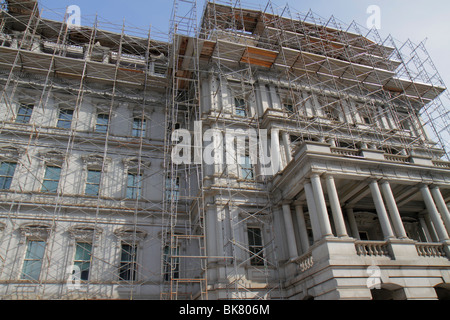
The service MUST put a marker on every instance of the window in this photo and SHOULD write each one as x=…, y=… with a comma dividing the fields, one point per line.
x=33, y=260
x=102, y=123
x=239, y=107
x=139, y=126
x=255, y=246
x=128, y=256
x=65, y=118
x=51, y=179
x=171, y=263
x=172, y=188
x=82, y=259
x=246, y=168
x=93, y=182
x=7, y=170
x=24, y=113
x=288, y=107
x=133, y=185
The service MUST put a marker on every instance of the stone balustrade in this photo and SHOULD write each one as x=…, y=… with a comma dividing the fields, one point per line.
x=372, y=248
x=432, y=250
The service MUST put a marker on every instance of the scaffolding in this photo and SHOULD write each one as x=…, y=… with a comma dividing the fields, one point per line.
x=335, y=63
x=46, y=63
x=328, y=82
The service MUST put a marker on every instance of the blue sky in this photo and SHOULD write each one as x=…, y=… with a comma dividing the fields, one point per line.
x=414, y=19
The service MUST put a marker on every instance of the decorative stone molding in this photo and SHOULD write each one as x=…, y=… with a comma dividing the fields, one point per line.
x=95, y=161
x=130, y=235
x=85, y=233
x=53, y=157
x=133, y=163
x=10, y=152
x=35, y=231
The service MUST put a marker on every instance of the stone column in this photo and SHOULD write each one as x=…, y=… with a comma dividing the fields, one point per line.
x=353, y=224
x=275, y=138
x=338, y=218
x=211, y=236
x=302, y=227
x=237, y=234
x=311, y=202
x=290, y=235
x=434, y=214
x=321, y=206
x=425, y=230
x=393, y=210
x=442, y=206
x=381, y=210
x=287, y=149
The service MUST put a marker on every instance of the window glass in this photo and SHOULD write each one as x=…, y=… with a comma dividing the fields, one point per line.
x=128, y=256
x=83, y=259
x=139, y=126
x=93, y=182
x=255, y=246
x=7, y=170
x=51, y=179
x=102, y=123
x=133, y=185
x=65, y=118
x=33, y=260
x=24, y=113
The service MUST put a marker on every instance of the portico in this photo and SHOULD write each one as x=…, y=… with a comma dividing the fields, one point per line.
x=341, y=212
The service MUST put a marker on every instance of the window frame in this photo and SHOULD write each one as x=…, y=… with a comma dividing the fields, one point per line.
x=29, y=261
x=104, y=126
x=85, y=273
x=24, y=118
x=256, y=250
x=93, y=184
x=172, y=193
x=240, y=107
x=247, y=169
x=134, y=186
x=4, y=178
x=139, y=127
x=170, y=270
x=128, y=267
x=65, y=123
x=44, y=188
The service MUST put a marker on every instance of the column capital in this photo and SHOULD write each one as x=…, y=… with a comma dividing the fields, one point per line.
x=315, y=175
x=286, y=202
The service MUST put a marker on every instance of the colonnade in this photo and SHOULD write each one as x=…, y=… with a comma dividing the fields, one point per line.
x=387, y=211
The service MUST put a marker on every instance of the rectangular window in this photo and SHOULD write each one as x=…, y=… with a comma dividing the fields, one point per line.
x=247, y=171
x=255, y=246
x=240, y=107
x=102, y=123
x=172, y=188
x=51, y=179
x=134, y=182
x=7, y=170
x=93, y=182
x=82, y=259
x=139, y=126
x=65, y=118
x=24, y=113
x=32, y=264
x=171, y=263
x=128, y=266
